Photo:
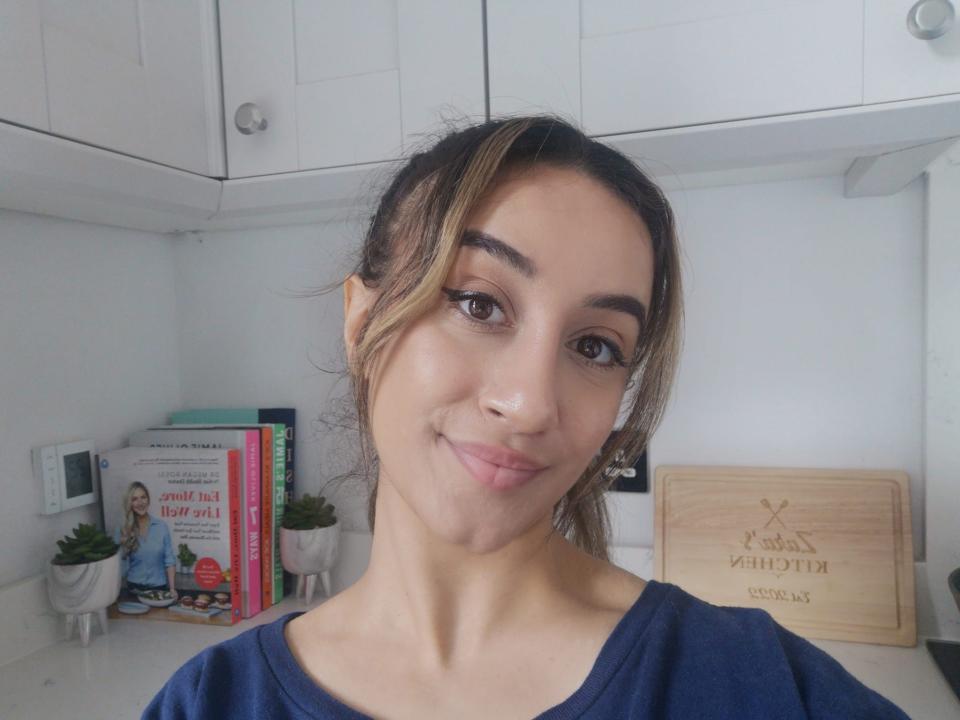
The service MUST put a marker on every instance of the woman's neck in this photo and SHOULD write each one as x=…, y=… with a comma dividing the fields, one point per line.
x=448, y=601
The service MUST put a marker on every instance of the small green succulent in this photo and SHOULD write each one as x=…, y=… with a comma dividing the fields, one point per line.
x=186, y=556
x=87, y=545
x=308, y=513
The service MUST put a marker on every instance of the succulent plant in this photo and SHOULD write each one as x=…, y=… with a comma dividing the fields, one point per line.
x=186, y=556
x=308, y=513
x=87, y=545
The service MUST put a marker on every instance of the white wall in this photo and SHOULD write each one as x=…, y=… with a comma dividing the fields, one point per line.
x=804, y=333
x=246, y=339
x=942, y=389
x=803, y=341
x=88, y=350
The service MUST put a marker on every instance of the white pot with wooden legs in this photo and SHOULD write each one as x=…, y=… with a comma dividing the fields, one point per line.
x=308, y=553
x=83, y=591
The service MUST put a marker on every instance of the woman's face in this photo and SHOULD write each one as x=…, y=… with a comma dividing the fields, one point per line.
x=139, y=502
x=519, y=354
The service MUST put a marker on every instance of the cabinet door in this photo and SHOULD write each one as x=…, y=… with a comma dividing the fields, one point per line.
x=136, y=77
x=23, y=89
x=900, y=66
x=344, y=83
x=624, y=65
x=533, y=50
x=660, y=64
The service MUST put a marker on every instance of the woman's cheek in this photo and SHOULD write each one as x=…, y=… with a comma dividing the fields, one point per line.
x=591, y=414
x=428, y=370
x=447, y=363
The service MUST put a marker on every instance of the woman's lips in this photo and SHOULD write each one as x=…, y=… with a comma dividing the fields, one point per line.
x=489, y=474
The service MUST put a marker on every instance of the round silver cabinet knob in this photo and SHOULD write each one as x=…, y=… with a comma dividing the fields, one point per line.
x=249, y=119
x=929, y=19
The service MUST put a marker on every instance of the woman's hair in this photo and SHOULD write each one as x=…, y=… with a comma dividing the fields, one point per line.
x=130, y=532
x=413, y=239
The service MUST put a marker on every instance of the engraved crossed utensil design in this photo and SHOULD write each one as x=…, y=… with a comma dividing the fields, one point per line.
x=766, y=504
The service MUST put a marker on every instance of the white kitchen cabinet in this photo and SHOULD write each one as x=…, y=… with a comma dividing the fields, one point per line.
x=533, y=56
x=342, y=83
x=897, y=65
x=668, y=64
x=23, y=89
x=139, y=78
x=641, y=66
x=347, y=88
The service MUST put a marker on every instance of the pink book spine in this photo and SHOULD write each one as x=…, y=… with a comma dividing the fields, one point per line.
x=253, y=520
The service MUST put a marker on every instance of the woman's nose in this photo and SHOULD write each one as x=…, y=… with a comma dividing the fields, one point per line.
x=521, y=386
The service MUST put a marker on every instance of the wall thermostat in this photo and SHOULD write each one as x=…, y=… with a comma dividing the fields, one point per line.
x=67, y=475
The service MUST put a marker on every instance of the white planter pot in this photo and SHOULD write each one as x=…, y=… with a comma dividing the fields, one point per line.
x=308, y=553
x=80, y=591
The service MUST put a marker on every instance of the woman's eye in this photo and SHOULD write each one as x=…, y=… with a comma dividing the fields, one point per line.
x=479, y=308
x=476, y=306
x=600, y=351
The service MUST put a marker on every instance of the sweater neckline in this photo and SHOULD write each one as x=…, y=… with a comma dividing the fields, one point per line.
x=316, y=701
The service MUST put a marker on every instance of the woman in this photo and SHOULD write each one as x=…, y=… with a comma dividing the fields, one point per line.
x=147, y=560
x=519, y=286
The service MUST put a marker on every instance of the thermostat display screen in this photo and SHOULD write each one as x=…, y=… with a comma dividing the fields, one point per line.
x=77, y=475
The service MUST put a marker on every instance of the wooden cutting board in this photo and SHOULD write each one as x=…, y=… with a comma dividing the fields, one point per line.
x=828, y=553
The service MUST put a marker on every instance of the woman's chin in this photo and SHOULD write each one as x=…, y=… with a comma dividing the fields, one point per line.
x=467, y=528
x=477, y=540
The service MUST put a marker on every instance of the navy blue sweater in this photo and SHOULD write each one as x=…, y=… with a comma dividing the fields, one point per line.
x=671, y=656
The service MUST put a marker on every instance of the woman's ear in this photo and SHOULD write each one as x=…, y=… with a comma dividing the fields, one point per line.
x=357, y=301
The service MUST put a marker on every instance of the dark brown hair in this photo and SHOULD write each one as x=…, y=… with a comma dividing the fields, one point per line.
x=412, y=241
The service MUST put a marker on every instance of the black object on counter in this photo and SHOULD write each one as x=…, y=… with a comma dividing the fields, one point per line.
x=947, y=656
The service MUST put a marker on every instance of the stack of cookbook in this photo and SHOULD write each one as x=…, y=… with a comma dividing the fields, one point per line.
x=196, y=507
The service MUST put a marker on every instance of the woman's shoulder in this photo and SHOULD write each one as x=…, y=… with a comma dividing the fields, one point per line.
x=206, y=686
x=735, y=649
x=729, y=634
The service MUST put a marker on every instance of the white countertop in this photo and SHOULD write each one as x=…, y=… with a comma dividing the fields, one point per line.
x=119, y=673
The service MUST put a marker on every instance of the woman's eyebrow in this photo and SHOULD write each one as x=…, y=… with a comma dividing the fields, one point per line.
x=500, y=250
x=525, y=266
x=623, y=303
